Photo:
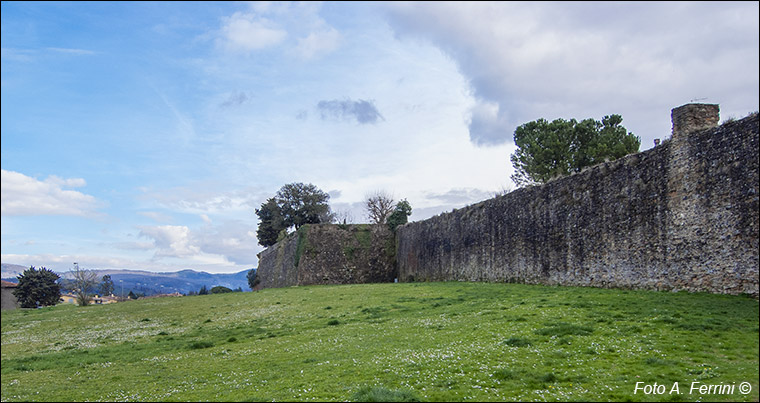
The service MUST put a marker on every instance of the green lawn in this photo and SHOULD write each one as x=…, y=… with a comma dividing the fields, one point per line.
x=427, y=341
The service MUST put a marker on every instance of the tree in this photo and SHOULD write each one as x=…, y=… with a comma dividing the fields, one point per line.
x=344, y=216
x=379, y=207
x=271, y=222
x=294, y=205
x=106, y=286
x=85, y=283
x=220, y=289
x=203, y=291
x=37, y=288
x=547, y=150
x=253, y=279
x=303, y=204
x=400, y=214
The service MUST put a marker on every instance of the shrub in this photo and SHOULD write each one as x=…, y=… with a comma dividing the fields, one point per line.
x=220, y=289
x=504, y=374
x=200, y=345
x=548, y=378
x=517, y=342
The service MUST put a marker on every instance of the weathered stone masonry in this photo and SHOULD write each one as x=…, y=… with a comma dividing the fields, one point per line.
x=330, y=254
x=681, y=216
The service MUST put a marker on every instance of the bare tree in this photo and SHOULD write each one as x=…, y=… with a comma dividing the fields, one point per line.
x=84, y=282
x=344, y=217
x=379, y=207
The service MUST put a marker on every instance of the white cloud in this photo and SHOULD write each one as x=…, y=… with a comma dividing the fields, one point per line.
x=205, y=198
x=206, y=218
x=171, y=240
x=248, y=32
x=156, y=216
x=318, y=43
x=581, y=60
x=229, y=243
x=296, y=26
x=26, y=196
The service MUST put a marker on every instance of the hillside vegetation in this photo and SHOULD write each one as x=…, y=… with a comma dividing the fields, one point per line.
x=415, y=341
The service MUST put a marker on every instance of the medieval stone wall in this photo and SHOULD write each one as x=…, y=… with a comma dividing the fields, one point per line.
x=330, y=254
x=681, y=216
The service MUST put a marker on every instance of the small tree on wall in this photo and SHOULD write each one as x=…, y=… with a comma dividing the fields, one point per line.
x=546, y=150
x=379, y=206
x=400, y=214
x=295, y=204
x=271, y=222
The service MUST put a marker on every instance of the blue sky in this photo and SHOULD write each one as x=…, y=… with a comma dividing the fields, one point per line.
x=144, y=135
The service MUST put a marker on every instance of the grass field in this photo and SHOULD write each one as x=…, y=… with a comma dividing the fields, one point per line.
x=420, y=341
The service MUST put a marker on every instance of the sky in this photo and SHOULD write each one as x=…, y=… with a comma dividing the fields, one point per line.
x=144, y=135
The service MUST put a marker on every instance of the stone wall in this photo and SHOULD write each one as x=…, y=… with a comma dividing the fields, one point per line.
x=330, y=254
x=681, y=216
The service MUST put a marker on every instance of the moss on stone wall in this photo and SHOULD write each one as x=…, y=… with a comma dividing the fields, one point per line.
x=330, y=254
x=302, y=244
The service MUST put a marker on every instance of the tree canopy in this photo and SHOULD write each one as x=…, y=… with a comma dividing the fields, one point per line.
x=106, y=285
x=546, y=150
x=379, y=206
x=85, y=283
x=220, y=289
x=37, y=287
x=271, y=222
x=400, y=214
x=294, y=205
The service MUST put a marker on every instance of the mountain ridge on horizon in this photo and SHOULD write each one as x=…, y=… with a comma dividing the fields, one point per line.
x=151, y=283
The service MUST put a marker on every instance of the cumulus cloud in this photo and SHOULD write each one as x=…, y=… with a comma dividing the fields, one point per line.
x=526, y=61
x=232, y=241
x=318, y=43
x=26, y=196
x=297, y=27
x=362, y=111
x=249, y=31
x=171, y=240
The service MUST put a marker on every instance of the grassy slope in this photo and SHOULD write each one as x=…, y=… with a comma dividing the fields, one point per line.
x=435, y=341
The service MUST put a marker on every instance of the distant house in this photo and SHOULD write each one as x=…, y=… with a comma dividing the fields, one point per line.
x=68, y=299
x=9, y=301
x=106, y=299
x=95, y=300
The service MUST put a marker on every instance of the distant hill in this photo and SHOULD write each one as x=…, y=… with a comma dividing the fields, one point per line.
x=12, y=270
x=150, y=283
